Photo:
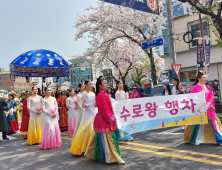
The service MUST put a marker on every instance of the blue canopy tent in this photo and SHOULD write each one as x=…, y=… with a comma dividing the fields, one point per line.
x=39, y=63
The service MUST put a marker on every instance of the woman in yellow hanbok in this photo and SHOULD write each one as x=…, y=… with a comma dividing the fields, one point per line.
x=35, y=121
x=85, y=130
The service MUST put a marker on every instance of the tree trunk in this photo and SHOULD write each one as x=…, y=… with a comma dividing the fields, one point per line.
x=219, y=28
x=152, y=65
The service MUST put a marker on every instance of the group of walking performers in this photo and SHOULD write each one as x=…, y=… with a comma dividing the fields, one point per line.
x=92, y=122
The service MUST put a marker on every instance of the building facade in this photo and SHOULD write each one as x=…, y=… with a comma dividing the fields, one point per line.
x=80, y=71
x=6, y=81
x=20, y=84
x=186, y=52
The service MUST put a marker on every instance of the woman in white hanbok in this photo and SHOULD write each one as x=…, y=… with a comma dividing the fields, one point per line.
x=85, y=130
x=35, y=121
x=80, y=109
x=122, y=95
x=72, y=105
x=51, y=135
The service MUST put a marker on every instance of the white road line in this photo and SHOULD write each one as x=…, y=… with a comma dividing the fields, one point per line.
x=9, y=136
x=171, y=131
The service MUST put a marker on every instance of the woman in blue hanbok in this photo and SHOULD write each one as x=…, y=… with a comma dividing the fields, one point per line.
x=12, y=116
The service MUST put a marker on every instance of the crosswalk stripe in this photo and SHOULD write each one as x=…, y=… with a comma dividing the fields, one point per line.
x=169, y=154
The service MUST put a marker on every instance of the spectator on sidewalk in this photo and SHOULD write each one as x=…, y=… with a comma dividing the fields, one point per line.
x=175, y=83
x=135, y=93
x=139, y=88
x=166, y=90
x=216, y=86
x=179, y=89
x=147, y=89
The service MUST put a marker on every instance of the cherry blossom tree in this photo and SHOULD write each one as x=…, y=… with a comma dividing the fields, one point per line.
x=108, y=25
x=125, y=56
x=65, y=86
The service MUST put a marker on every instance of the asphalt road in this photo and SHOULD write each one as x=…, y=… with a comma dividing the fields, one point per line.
x=153, y=150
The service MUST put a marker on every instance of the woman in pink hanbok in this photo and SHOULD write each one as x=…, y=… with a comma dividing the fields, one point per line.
x=210, y=133
x=51, y=135
x=104, y=142
x=71, y=104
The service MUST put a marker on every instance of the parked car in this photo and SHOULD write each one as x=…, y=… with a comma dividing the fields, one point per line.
x=158, y=88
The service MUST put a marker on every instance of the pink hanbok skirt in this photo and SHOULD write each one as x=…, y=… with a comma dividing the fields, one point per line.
x=51, y=135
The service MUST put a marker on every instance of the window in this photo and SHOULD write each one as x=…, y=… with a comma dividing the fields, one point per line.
x=195, y=29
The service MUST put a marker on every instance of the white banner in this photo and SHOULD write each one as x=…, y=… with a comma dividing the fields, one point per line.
x=136, y=115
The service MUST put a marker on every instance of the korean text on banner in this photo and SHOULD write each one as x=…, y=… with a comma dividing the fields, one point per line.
x=150, y=6
x=200, y=55
x=207, y=55
x=136, y=115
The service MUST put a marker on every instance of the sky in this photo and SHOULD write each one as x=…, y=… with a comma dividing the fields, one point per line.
x=27, y=25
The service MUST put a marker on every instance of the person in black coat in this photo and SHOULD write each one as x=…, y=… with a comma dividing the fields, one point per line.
x=4, y=124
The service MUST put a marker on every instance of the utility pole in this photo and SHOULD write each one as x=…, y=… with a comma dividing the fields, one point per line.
x=170, y=31
x=201, y=26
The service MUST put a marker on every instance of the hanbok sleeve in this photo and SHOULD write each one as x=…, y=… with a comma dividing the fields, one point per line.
x=105, y=109
x=44, y=109
x=127, y=95
x=210, y=101
x=117, y=96
x=56, y=105
x=29, y=105
x=79, y=102
x=67, y=103
x=57, y=108
x=15, y=106
x=25, y=106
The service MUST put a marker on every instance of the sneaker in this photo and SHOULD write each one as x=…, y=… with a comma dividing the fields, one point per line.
x=121, y=162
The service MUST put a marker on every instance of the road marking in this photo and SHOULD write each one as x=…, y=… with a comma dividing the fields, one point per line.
x=168, y=154
x=173, y=155
x=66, y=134
x=171, y=131
x=172, y=149
x=66, y=138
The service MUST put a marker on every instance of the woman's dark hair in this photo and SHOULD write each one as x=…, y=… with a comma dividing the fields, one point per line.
x=86, y=82
x=117, y=83
x=168, y=89
x=76, y=91
x=11, y=96
x=67, y=94
x=126, y=89
x=99, y=83
x=199, y=75
x=93, y=89
x=34, y=87
x=176, y=79
x=177, y=86
x=80, y=85
x=46, y=88
x=137, y=82
x=57, y=95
